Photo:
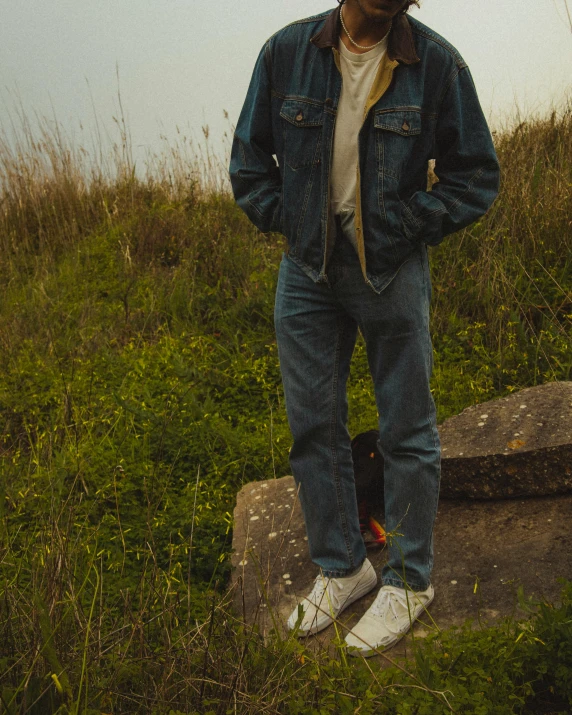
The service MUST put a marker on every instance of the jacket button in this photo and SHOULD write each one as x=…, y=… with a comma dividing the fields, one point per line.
x=299, y=117
x=405, y=126
x=328, y=102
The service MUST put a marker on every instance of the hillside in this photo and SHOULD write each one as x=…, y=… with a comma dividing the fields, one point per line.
x=139, y=388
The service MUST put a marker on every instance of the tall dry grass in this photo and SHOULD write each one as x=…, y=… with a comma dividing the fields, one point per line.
x=524, y=236
x=53, y=191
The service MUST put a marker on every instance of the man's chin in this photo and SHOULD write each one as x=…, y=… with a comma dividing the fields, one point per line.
x=378, y=17
x=378, y=10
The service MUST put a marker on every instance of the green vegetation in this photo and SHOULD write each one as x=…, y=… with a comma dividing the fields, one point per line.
x=139, y=389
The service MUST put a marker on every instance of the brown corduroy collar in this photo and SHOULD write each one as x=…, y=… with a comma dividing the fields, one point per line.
x=401, y=46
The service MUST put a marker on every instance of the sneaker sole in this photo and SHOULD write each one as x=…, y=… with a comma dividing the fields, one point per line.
x=352, y=599
x=370, y=652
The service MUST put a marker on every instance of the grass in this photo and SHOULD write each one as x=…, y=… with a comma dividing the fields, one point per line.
x=139, y=389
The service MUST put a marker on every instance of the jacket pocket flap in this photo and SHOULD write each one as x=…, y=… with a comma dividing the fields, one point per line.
x=302, y=114
x=406, y=122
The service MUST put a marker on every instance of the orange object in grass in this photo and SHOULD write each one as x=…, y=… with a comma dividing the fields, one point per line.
x=377, y=530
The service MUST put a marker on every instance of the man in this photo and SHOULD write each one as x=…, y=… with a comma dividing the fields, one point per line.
x=343, y=113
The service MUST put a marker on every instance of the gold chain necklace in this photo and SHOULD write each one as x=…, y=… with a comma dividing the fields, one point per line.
x=350, y=38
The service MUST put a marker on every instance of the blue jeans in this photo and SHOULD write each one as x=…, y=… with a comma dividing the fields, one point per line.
x=316, y=329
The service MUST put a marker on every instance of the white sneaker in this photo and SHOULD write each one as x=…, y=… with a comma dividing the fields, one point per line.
x=388, y=619
x=329, y=597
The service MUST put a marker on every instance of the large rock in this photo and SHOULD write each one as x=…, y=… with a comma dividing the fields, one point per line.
x=270, y=550
x=520, y=445
x=483, y=551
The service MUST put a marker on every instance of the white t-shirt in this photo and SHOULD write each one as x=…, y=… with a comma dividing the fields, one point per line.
x=358, y=74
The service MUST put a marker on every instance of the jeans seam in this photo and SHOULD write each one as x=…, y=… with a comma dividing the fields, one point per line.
x=333, y=443
x=428, y=349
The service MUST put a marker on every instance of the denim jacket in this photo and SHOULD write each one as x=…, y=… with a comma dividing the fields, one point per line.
x=422, y=105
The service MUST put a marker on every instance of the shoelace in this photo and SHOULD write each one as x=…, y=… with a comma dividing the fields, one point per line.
x=387, y=600
x=320, y=585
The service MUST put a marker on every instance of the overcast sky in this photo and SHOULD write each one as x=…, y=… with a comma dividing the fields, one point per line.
x=182, y=62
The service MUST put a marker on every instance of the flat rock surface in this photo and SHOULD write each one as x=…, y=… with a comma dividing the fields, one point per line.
x=520, y=445
x=484, y=550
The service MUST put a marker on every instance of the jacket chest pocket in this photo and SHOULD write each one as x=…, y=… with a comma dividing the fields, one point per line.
x=397, y=132
x=302, y=133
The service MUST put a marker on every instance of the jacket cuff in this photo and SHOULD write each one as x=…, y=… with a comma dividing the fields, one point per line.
x=427, y=228
x=412, y=228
